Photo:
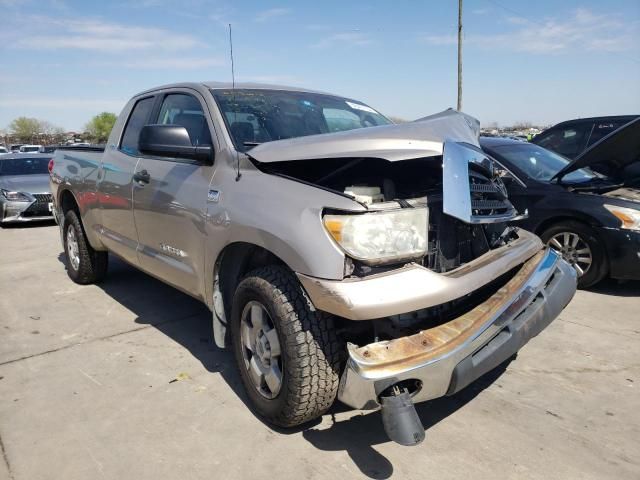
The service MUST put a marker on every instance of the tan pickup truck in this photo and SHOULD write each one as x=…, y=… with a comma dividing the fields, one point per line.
x=342, y=256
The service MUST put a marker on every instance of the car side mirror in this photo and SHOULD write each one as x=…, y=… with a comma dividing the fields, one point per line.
x=172, y=141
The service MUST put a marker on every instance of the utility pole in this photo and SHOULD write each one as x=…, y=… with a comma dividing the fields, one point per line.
x=459, y=55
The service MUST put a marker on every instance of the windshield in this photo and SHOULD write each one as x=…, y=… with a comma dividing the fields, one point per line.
x=541, y=164
x=29, y=149
x=257, y=116
x=24, y=166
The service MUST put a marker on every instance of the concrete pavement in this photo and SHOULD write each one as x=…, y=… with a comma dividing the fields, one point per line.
x=122, y=381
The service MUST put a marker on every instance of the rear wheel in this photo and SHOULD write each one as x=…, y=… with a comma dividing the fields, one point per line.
x=578, y=245
x=287, y=352
x=84, y=264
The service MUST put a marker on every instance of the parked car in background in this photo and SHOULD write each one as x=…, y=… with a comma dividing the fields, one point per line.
x=47, y=148
x=15, y=148
x=572, y=137
x=3, y=150
x=30, y=148
x=24, y=188
x=592, y=219
x=339, y=259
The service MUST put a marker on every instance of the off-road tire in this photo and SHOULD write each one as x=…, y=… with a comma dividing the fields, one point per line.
x=599, y=265
x=93, y=263
x=312, y=354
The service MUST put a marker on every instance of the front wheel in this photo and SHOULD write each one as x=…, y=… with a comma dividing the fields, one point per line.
x=84, y=264
x=578, y=245
x=287, y=352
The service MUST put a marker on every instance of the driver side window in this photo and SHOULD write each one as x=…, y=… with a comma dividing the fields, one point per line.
x=185, y=110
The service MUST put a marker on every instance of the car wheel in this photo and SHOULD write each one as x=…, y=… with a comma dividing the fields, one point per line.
x=84, y=264
x=287, y=352
x=578, y=245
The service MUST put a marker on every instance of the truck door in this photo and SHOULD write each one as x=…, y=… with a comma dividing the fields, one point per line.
x=115, y=185
x=170, y=199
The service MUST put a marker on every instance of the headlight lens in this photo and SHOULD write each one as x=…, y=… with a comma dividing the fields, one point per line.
x=15, y=196
x=380, y=237
x=629, y=217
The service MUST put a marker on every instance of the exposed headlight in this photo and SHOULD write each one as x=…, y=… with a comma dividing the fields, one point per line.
x=629, y=217
x=380, y=237
x=15, y=196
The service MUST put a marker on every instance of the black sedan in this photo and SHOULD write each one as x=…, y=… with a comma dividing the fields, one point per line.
x=592, y=219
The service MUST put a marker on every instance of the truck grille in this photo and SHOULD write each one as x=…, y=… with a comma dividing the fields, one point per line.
x=488, y=196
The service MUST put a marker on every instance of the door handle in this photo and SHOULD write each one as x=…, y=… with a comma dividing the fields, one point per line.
x=142, y=176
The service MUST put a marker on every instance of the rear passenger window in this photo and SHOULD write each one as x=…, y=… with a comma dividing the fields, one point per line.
x=186, y=111
x=137, y=120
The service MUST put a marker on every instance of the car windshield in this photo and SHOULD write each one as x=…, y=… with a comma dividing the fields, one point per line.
x=255, y=116
x=541, y=164
x=29, y=149
x=24, y=166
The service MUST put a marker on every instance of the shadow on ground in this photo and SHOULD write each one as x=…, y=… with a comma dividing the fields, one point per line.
x=187, y=321
x=627, y=288
x=24, y=225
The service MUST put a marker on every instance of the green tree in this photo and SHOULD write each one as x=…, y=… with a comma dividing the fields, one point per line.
x=99, y=127
x=25, y=129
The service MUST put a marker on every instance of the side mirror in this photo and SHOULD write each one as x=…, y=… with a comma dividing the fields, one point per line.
x=172, y=141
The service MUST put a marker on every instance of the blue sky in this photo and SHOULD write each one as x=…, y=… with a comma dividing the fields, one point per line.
x=544, y=61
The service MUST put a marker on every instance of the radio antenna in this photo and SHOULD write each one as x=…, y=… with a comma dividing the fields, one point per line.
x=233, y=96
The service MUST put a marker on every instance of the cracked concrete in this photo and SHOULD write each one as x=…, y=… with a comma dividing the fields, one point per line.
x=122, y=381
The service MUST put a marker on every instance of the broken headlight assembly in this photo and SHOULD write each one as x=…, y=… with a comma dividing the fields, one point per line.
x=380, y=237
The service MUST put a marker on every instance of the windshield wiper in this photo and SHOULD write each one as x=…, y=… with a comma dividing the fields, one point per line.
x=251, y=144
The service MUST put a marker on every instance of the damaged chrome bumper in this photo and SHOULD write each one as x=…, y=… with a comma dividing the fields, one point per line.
x=444, y=359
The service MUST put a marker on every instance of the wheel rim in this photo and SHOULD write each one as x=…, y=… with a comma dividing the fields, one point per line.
x=261, y=349
x=73, y=251
x=574, y=250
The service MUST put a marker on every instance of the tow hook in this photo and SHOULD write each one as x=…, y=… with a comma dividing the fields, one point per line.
x=399, y=417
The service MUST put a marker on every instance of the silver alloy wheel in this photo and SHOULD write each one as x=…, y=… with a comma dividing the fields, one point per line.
x=261, y=349
x=73, y=251
x=574, y=250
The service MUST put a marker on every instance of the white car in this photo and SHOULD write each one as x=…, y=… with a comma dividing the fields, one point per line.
x=3, y=150
x=29, y=148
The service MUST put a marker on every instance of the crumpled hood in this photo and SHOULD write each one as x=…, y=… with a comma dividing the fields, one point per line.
x=421, y=138
x=26, y=183
x=612, y=154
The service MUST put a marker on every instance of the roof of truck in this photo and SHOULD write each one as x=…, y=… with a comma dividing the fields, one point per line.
x=238, y=85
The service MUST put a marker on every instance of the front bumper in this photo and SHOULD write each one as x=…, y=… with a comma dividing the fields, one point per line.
x=17, y=212
x=623, y=251
x=446, y=358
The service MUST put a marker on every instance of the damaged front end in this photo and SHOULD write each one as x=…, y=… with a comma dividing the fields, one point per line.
x=438, y=288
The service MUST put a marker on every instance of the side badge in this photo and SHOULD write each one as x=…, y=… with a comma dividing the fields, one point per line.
x=213, y=196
